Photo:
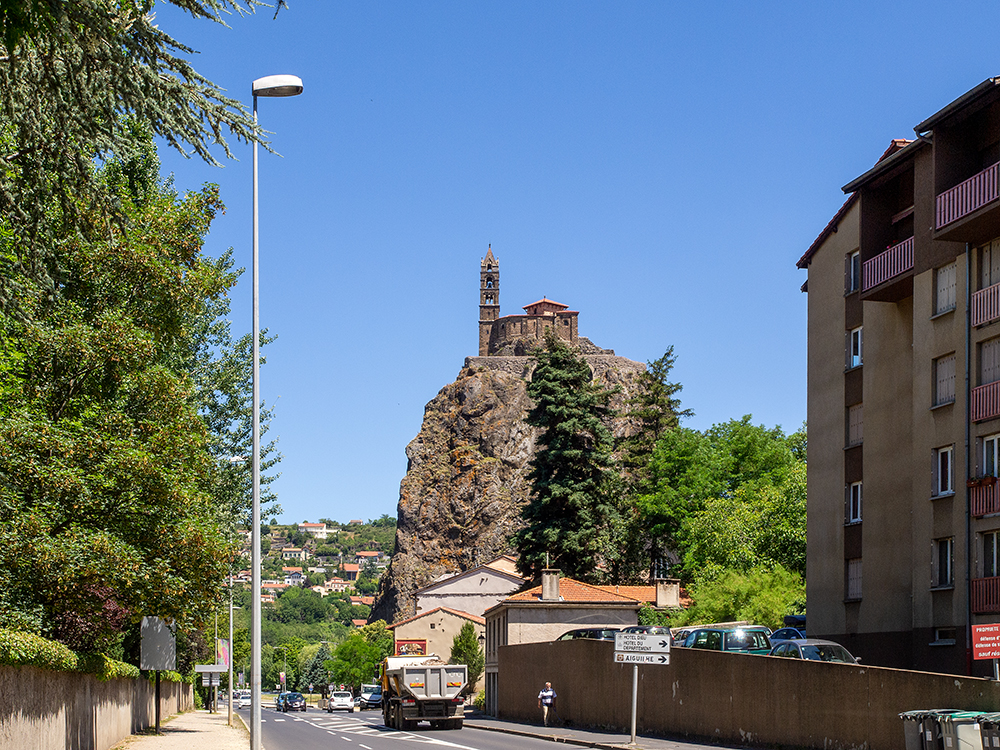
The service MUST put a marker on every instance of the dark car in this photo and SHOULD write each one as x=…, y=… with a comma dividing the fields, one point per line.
x=293, y=702
x=372, y=700
x=751, y=639
x=814, y=649
x=597, y=634
x=787, y=634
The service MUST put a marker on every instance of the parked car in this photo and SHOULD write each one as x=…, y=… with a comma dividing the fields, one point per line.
x=597, y=634
x=341, y=700
x=293, y=702
x=787, y=634
x=647, y=629
x=749, y=639
x=814, y=649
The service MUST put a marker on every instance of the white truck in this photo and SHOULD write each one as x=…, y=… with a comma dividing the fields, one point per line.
x=422, y=688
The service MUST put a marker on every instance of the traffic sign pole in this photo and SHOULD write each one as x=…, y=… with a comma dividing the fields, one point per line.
x=635, y=696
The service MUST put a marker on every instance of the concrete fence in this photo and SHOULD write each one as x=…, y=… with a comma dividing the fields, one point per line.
x=731, y=698
x=43, y=710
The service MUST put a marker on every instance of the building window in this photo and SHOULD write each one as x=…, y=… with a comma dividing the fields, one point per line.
x=853, y=504
x=944, y=558
x=854, y=343
x=991, y=455
x=989, y=361
x=944, y=380
x=852, y=272
x=944, y=297
x=943, y=470
x=990, y=554
x=855, y=425
x=853, y=575
x=989, y=265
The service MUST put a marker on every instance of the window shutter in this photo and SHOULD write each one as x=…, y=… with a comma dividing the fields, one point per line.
x=847, y=273
x=989, y=362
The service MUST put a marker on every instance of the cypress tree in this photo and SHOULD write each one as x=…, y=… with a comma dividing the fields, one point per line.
x=568, y=507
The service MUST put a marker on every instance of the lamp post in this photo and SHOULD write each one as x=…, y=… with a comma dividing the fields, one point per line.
x=279, y=85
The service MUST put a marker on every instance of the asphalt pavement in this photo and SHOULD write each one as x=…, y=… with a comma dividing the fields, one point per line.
x=200, y=730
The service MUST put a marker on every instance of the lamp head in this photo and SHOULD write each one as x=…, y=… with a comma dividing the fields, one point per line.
x=281, y=85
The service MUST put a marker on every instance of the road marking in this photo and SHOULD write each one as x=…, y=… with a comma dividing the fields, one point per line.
x=346, y=739
x=279, y=719
x=364, y=746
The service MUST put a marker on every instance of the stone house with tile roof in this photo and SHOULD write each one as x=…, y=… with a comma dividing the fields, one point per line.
x=473, y=591
x=545, y=612
x=433, y=632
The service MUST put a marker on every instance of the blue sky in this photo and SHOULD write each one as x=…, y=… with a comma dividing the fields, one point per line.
x=658, y=166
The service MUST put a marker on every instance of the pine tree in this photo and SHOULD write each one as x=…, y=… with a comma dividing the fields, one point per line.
x=569, y=506
x=465, y=649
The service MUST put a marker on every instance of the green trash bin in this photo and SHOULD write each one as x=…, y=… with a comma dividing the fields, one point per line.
x=961, y=730
x=913, y=729
x=989, y=729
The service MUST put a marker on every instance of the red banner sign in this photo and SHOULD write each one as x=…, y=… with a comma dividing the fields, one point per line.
x=986, y=641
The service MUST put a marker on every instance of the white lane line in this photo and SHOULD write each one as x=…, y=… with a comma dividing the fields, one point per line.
x=279, y=719
x=346, y=739
x=364, y=746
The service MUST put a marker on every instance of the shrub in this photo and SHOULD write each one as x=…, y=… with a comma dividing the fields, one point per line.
x=27, y=649
x=106, y=668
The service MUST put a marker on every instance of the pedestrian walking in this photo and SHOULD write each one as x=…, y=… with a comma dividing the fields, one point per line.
x=547, y=702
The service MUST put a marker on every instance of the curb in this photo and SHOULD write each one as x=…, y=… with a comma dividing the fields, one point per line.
x=550, y=737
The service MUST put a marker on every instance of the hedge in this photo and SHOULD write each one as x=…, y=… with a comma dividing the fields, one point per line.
x=27, y=649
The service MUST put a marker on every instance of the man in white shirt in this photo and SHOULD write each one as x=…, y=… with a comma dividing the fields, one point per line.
x=547, y=701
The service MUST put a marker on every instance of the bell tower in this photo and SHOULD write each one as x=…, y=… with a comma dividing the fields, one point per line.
x=489, y=299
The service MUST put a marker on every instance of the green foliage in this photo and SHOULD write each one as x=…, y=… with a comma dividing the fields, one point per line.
x=106, y=668
x=761, y=596
x=315, y=672
x=479, y=701
x=732, y=497
x=69, y=70
x=649, y=615
x=569, y=506
x=465, y=649
x=378, y=634
x=18, y=649
x=355, y=662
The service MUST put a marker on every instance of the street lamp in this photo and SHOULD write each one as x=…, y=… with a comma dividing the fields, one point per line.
x=280, y=85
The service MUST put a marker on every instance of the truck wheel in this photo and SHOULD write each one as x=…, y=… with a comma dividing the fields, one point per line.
x=456, y=723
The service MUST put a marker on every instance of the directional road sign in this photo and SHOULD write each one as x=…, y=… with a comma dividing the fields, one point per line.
x=621, y=658
x=642, y=643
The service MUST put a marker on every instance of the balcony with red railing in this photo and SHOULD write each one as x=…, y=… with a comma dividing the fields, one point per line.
x=985, y=402
x=986, y=595
x=986, y=305
x=887, y=265
x=964, y=200
x=984, y=497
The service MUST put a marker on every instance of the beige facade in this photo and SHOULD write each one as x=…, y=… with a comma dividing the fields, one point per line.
x=473, y=591
x=904, y=352
x=434, y=632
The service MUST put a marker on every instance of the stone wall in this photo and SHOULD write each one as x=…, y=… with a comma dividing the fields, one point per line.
x=732, y=698
x=45, y=710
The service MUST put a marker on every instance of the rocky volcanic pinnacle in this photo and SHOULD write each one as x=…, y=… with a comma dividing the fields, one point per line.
x=465, y=482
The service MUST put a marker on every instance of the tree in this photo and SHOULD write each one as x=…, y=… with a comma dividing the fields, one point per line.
x=465, y=649
x=315, y=672
x=104, y=460
x=569, y=507
x=69, y=73
x=378, y=634
x=355, y=662
x=760, y=596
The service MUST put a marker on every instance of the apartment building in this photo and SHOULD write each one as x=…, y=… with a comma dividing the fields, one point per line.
x=904, y=398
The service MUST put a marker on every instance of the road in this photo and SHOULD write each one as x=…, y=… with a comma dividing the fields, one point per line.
x=363, y=730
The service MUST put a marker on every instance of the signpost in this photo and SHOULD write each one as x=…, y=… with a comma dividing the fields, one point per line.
x=986, y=645
x=636, y=649
x=210, y=678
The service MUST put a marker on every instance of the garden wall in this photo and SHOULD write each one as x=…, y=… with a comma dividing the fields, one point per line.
x=731, y=698
x=45, y=710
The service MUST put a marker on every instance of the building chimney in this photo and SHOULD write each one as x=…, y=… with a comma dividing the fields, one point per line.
x=550, y=585
x=668, y=592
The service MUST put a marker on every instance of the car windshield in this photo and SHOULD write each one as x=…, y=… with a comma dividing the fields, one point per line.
x=294, y=697
x=343, y=695
x=827, y=652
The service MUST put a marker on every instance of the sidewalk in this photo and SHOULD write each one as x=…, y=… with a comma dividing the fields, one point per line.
x=195, y=730
x=596, y=738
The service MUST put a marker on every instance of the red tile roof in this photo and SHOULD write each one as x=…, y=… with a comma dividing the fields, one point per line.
x=359, y=623
x=571, y=590
x=456, y=612
x=639, y=593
